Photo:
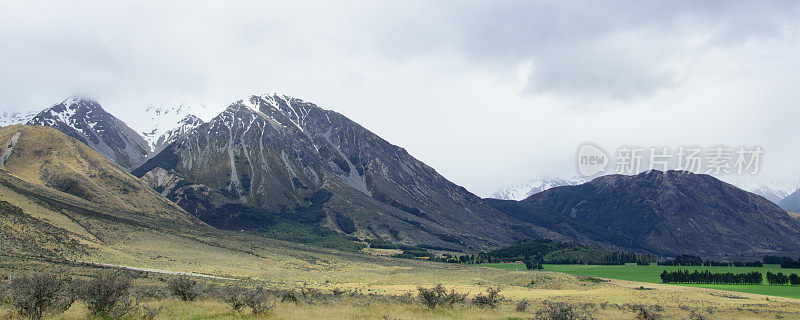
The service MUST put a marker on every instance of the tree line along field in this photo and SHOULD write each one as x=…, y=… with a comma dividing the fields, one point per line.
x=651, y=274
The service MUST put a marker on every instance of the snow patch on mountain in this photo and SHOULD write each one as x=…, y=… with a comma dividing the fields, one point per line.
x=774, y=190
x=161, y=126
x=12, y=118
x=521, y=191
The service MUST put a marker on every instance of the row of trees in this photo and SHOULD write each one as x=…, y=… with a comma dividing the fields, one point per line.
x=785, y=262
x=686, y=260
x=684, y=276
x=780, y=279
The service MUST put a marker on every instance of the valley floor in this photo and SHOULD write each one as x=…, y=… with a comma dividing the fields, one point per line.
x=395, y=296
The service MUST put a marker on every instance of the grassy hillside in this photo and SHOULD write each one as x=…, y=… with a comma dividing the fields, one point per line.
x=46, y=157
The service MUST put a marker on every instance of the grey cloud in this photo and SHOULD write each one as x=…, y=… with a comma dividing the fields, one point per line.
x=450, y=68
x=568, y=42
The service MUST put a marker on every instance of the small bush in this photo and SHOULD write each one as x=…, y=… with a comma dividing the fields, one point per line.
x=490, y=300
x=3, y=290
x=108, y=295
x=40, y=293
x=150, y=313
x=234, y=296
x=561, y=311
x=522, y=306
x=148, y=293
x=439, y=297
x=696, y=316
x=593, y=279
x=646, y=312
x=258, y=300
x=184, y=288
x=289, y=296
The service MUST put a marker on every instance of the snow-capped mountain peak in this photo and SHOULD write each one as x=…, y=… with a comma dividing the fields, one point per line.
x=521, y=191
x=163, y=125
x=775, y=190
x=86, y=120
x=12, y=118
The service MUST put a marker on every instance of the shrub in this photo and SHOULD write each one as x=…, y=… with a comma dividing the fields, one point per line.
x=696, y=316
x=522, y=306
x=3, y=290
x=146, y=293
x=531, y=264
x=150, y=313
x=439, y=297
x=490, y=300
x=646, y=313
x=234, y=296
x=108, y=295
x=289, y=296
x=184, y=288
x=258, y=300
x=34, y=295
x=561, y=311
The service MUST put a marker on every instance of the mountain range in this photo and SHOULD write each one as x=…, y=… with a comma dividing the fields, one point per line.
x=666, y=213
x=294, y=159
x=774, y=191
x=271, y=158
x=520, y=191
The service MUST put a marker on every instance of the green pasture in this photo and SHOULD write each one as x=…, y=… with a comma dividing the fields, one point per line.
x=651, y=274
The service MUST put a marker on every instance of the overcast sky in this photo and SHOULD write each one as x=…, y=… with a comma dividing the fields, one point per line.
x=487, y=93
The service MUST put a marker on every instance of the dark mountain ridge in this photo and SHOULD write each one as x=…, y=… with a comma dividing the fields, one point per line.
x=278, y=153
x=666, y=213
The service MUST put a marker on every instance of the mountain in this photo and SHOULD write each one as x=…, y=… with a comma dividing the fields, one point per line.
x=61, y=227
x=667, y=213
x=45, y=157
x=87, y=121
x=8, y=119
x=769, y=193
x=291, y=158
x=520, y=191
x=791, y=202
x=774, y=190
x=160, y=126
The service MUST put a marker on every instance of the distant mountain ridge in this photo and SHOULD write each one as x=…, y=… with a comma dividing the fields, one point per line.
x=9, y=119
x=667, y=213
x=773, y=190
x=791, y=202
x=520, y=191
x=273, y=155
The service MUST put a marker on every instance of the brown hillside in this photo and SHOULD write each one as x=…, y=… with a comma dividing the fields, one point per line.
x=44, y=156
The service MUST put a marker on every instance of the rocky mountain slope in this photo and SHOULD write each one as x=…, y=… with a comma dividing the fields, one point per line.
x=288, y=156
x=520, y=191
x=668, y=213
x=87, y=121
